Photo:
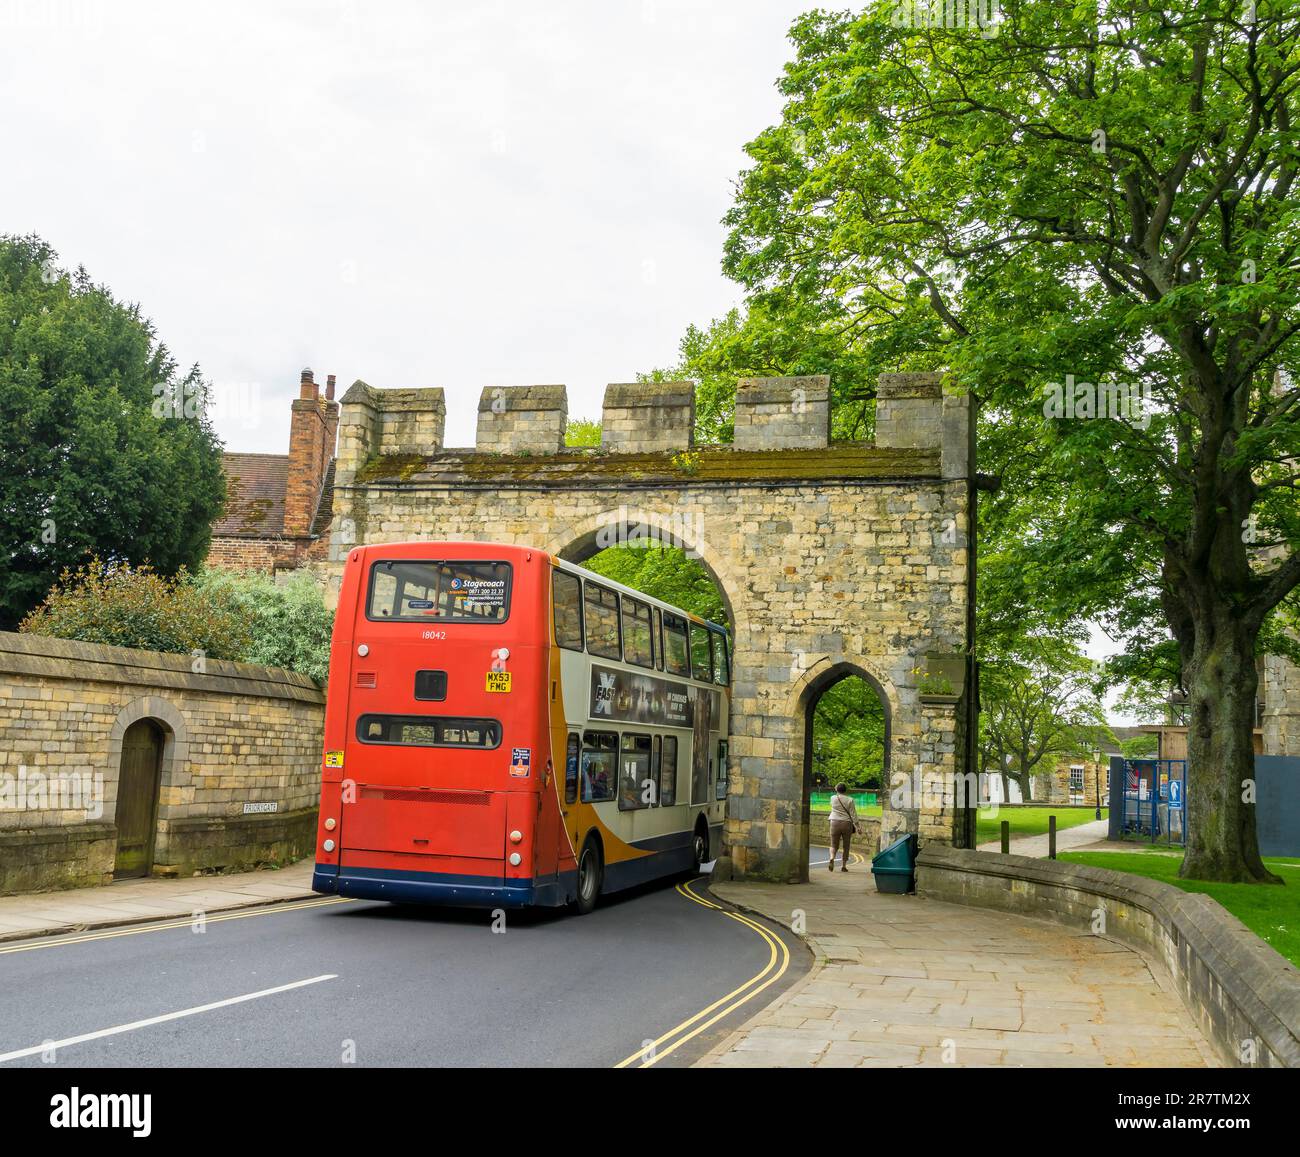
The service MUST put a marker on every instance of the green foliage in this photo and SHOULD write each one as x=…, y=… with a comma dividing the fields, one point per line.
x=1079, y=194
x=582, y=432
x=663, y=572
x=1037, y=708
x=772, y=338
x=289, y=624
x=849, y=736
x=248, y=618
x=1139, y=746
x=125, y=606
x=105, y=446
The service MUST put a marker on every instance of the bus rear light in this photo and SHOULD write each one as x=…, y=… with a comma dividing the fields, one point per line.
x=328, y=845
x=515, y=859
x=330, y=824
x=515, y=837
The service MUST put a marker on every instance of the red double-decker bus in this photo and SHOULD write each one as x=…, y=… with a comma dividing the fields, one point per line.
x=505, y=729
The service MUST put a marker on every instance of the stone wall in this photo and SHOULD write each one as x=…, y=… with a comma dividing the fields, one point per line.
x=1244, y=996
x=234, y=734
x=847, y=558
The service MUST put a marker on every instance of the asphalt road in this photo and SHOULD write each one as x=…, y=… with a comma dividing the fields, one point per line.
x=333, y=982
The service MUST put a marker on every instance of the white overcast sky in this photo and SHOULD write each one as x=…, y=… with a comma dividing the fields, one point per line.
x=414, y=194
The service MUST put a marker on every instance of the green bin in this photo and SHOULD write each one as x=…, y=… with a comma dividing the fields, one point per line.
x=895, y=867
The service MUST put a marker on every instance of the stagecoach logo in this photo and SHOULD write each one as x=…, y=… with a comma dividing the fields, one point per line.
x=521, y=759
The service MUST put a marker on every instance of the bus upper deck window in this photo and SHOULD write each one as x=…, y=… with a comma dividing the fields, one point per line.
x=566, y=599
x=600, y=610
x=701, y=654
x=638, y=642
x=445, y=591
x=677, y=658
x=721, y=667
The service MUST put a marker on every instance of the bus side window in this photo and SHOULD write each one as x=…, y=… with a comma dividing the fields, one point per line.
x=599, y=765
x=720, y=672
x=668, y=773
x=655, y=760
x=601, y=613
x=571, y=768
x=720, y=784
x=701, y=654
x=638, y=641
x=566, y=599
x=677, y=658
x=657, y=637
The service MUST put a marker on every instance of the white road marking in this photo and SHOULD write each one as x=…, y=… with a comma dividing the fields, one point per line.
x=135, y=1024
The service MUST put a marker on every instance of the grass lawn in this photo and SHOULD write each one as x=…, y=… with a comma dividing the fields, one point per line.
x=1031, y=821
x=1272, y=913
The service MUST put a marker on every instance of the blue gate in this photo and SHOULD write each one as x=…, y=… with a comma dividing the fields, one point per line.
x=1155, y=800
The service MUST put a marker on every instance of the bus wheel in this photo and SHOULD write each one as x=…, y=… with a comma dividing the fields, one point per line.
x=700, y=847
x=590, y=872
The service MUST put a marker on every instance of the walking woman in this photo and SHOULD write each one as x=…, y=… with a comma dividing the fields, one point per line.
x=844, y=825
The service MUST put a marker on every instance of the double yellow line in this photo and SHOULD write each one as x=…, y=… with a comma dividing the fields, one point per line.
x=777, y=964
x=269, y=909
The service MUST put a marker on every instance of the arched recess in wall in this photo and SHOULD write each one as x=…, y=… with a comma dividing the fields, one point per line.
x=176, y=741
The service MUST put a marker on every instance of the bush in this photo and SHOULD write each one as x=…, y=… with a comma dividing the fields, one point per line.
x=289, y=624
x=125, y=606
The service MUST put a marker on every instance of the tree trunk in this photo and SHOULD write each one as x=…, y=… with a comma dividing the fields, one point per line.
x=1222, y=682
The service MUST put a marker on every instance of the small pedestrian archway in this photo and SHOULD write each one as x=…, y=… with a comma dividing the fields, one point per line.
x=807, y=694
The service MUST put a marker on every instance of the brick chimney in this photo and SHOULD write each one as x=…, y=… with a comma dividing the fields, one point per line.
x=312, y=433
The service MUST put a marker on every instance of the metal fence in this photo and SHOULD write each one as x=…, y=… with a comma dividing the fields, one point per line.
x=1155, y=800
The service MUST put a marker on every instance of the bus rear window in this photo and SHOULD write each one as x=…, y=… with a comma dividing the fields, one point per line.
x=443, y=591
x=428, y=731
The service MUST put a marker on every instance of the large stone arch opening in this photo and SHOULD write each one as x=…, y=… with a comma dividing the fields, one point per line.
x=632, y=526
x=826, y=554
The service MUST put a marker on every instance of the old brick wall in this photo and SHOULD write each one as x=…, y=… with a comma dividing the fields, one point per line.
x=233, y=734
x=832, y=559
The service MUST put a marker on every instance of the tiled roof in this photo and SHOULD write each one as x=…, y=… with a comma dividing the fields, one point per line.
x=255, y=485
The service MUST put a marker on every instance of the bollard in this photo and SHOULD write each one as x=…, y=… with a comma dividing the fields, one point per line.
x=1051, y=837
x=1006, y=837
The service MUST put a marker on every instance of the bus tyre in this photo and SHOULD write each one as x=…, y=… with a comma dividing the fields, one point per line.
x=700, y=847
x=591, y=871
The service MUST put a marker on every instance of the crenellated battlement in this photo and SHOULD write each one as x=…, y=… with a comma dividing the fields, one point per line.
x=640, y=419
x=388, y=422
x=522, y=419
x=783, y=413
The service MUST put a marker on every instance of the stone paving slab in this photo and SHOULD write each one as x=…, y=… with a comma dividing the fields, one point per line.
x=51, y=913
x=908, y=981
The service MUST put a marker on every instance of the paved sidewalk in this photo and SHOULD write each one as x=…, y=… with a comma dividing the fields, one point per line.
x=1067, y=840
x=907, y=981
x=132, y=901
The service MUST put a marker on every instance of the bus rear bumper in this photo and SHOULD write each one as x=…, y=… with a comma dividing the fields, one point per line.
x=441, y=888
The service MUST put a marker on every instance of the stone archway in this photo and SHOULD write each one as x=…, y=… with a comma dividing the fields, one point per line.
x=825, y=553
x=825, y=672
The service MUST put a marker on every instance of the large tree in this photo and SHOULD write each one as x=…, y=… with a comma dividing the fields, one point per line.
x=1082, y=196
x=105, y=446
